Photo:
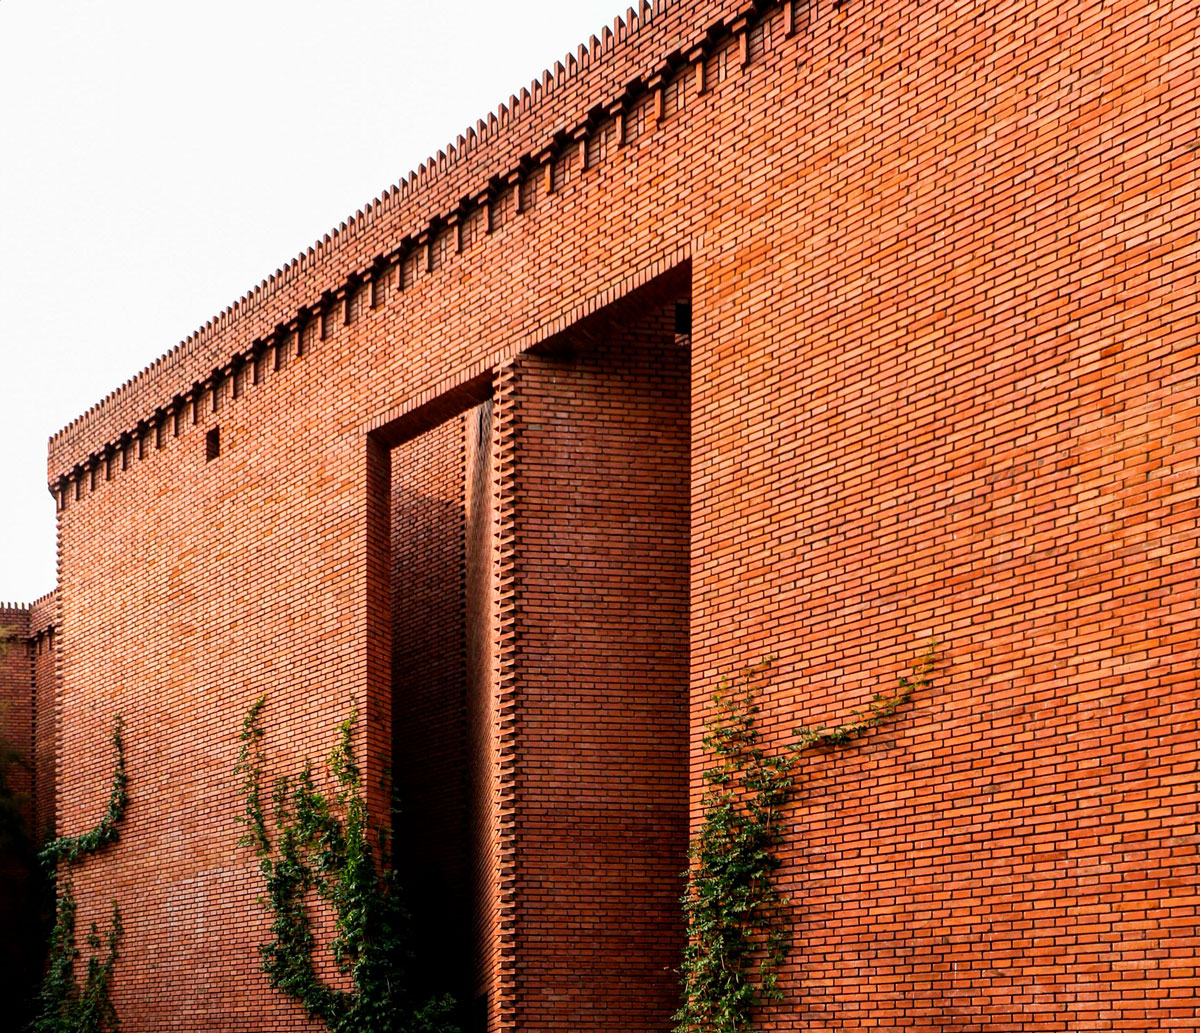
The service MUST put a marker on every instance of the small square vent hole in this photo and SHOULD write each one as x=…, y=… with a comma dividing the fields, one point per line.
x=683, y=318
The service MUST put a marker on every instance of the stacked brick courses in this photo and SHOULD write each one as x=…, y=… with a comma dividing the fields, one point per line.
x=16, y=703
x=27, y=729
x=601, y=572
x=943, y=382
x=482, y=716
x=43, y=623
x=28, y=688
x=431, y=760
x=16, y=812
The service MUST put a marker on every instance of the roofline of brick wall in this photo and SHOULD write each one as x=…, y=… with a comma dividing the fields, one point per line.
x=33, y=611
x=604, y=75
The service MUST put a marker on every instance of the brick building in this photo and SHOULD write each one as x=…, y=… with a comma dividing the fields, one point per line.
x=808, y=330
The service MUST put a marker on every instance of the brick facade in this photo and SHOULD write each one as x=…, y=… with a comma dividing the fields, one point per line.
x=940, y=380
x=27, y=707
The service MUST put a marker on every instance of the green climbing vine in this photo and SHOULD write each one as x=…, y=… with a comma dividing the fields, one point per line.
x=65, y=1006
x=738, y=934
x=322, y=844
x=71, y=848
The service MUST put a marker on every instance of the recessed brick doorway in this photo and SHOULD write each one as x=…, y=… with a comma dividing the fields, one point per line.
x=539, y=596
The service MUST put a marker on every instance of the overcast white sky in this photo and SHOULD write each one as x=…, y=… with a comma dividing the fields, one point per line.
x=157, y=159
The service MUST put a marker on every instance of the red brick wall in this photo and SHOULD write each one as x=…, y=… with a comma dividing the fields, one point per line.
x=429, y=706
x=19, y=955
x=16, y=704
x=943, y=382
x=43, y=629
x=482, y=743
x=601, y=588
x=948, y=389
x=189, y=588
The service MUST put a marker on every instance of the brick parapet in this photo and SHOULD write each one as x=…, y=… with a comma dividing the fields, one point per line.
x=16, y=613
x=43, y=614
x=560, y=109
x=29, y=620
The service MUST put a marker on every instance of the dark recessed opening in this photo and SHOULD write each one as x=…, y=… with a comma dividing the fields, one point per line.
x=683, y=317
x=212, y=444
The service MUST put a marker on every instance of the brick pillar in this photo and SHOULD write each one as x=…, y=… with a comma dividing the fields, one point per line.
x=502, y=1013
x=600, y=528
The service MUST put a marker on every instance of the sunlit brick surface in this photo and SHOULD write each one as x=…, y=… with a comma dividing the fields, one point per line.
x=943, y=382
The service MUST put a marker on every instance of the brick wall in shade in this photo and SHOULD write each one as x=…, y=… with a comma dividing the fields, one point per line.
x=43, y=630
x=16, y=707
x=432, y=766
x=26, y=703
x=482, y=729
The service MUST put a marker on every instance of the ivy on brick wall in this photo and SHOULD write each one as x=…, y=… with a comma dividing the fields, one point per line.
x=66, y=1005
x=322, y=844
x=72, y=848
x=737, y=922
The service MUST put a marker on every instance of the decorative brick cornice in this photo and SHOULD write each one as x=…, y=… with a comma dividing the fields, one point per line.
x=601, y=80
x=38, y=619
